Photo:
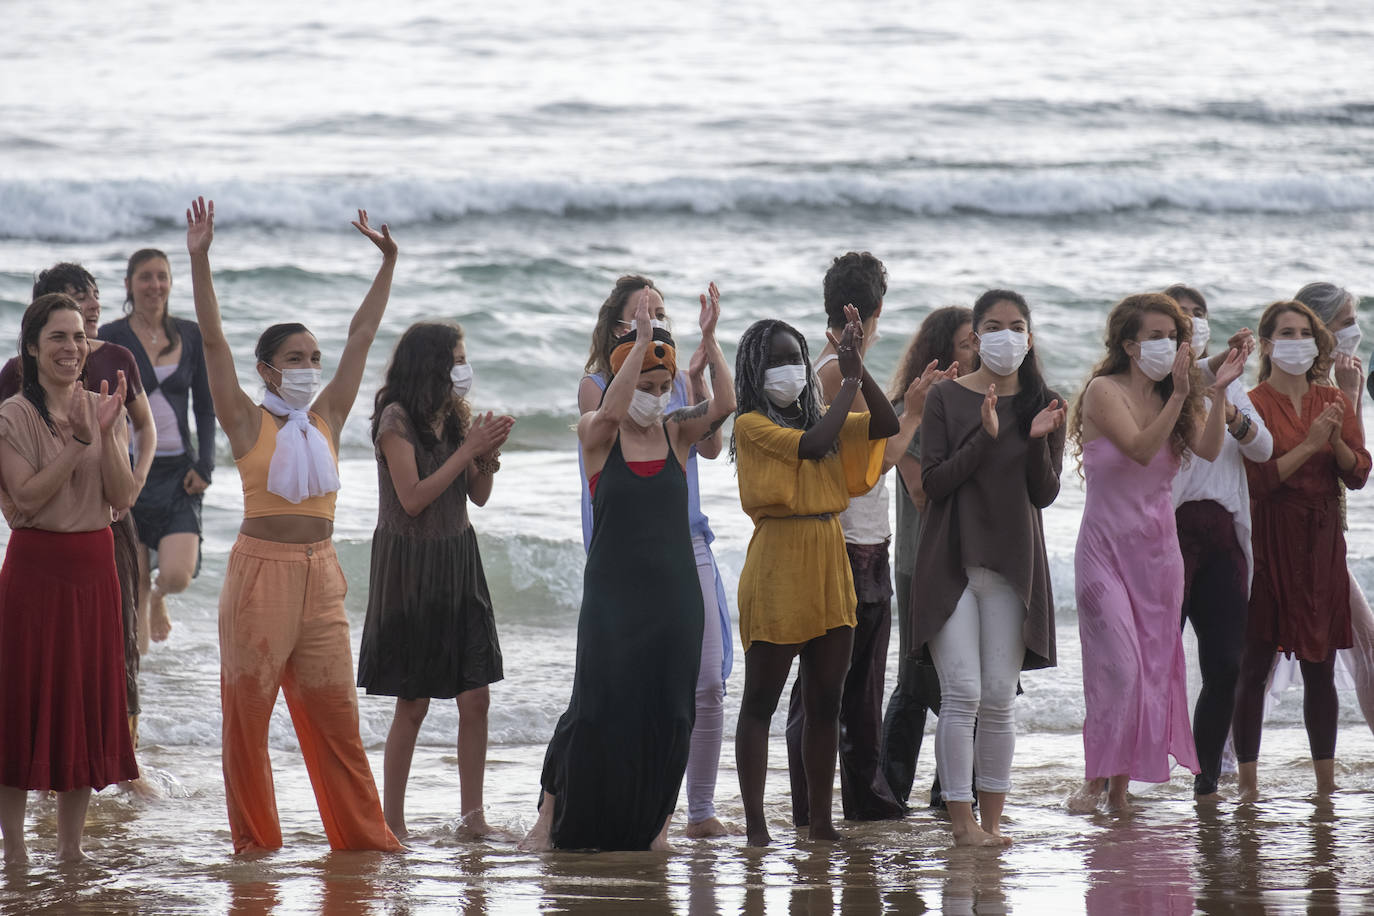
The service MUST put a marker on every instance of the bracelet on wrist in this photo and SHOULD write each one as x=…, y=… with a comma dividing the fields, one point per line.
x=79, y=439
x=858, y=380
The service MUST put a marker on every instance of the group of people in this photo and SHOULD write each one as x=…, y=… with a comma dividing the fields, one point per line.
x=1205, y=503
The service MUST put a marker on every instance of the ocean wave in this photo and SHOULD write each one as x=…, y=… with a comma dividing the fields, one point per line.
x=67, y=210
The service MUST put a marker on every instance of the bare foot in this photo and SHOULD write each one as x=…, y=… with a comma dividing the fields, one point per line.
x=474, y=826
x=1248, y=795
x=661, y=844
x=1210, y=798
x=1120, y=805
x=823, y=833
x=16, y=853
x=976, y=836
x=711, y=827
x=71, y=855
x=1087, y=799
x=758, y=838
x=536, y=840
x=159, y=624
x=399, y=831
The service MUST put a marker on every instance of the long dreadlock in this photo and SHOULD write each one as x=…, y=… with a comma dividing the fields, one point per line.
x=751, y=359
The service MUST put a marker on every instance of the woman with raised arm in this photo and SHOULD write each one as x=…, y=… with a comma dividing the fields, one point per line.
x=616, y=761
x=1137, y=418
x=171, y=364
x=797, y=470
x=945, y=338
x=64, y=463
x=430, y=630
x=281, y=611
x=1300, y=600
x=690, y=389
x=992, y=447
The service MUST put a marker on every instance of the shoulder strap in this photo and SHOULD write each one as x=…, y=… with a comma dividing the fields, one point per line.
x=825, y=360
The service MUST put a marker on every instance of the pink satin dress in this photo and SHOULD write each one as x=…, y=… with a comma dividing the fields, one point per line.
x=1129, y=584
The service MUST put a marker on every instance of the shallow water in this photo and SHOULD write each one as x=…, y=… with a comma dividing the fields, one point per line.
x=527, y=154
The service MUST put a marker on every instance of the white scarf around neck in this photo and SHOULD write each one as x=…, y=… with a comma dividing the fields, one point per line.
x=302, y=465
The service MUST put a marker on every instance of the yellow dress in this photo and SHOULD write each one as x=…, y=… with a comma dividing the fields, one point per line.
x=796, y=583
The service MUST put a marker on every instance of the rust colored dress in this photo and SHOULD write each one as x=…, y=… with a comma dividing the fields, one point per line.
x=1300, y=601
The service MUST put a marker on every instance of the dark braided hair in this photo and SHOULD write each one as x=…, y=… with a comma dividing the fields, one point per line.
x=169, y=325
x=1033, y=395
x=30, y=329
x=751, y=360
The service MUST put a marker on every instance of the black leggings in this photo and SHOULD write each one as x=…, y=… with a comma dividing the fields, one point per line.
x=1319, y=703
x=1215, y=600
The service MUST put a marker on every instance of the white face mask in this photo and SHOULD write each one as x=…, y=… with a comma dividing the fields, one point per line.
x=645, y=408
x=1156, y=358
x=1201, y=334
x=461, y=375
x=784, y=384
x=299, y=386
x=1348, y=340
x=1294, y=356
x=1003, y=351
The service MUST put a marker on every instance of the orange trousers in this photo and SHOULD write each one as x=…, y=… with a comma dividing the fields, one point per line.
x=282, y=625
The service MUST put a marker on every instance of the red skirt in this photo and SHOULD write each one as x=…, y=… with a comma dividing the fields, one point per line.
x=64, y=723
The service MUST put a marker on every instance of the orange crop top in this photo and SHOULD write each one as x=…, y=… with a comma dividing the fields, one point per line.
x=258, y=501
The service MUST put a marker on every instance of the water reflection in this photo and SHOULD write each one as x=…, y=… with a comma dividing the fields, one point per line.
x=1135, y=868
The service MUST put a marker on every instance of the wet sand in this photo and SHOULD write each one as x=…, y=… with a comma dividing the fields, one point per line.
x=1287, y=853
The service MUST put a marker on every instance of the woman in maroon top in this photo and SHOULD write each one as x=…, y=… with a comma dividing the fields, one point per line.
x=1300, y=600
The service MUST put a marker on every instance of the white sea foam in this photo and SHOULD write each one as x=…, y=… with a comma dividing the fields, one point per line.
x=88, y=211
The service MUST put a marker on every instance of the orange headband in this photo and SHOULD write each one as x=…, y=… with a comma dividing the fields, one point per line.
x=660, y=353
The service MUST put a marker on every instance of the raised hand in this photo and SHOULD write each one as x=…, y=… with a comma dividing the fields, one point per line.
x=1049, y=419
x=200, y=226
x=1243, y=340
x=1349, y=372
x=1183, y=369
x=81, y=414
x=914, y=398
x=990, y=412
x=710, y=311
x=847, y=346
x=488, y=432
x=382, y=240
x=643, y=330
x=1229, y=370
x=111, y=406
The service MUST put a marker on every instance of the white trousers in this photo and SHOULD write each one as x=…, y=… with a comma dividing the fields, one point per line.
x=978, y=655
x=703, y=759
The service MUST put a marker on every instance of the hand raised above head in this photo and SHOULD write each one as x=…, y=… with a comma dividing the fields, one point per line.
x=847, y=345
x=200, y=226
x=710, y=310
x=382, y=239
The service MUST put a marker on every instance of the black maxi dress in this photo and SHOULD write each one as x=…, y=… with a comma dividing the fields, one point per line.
x=618, y=754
